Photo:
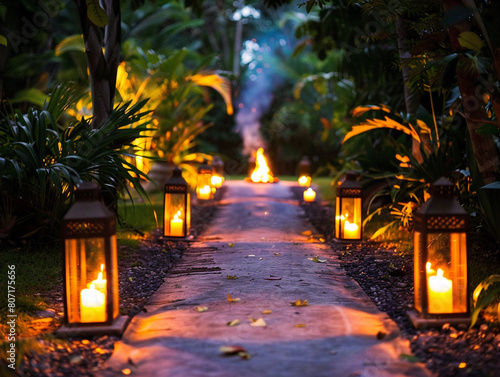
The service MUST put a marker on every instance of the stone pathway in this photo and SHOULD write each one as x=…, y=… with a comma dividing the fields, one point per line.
x=254, y=250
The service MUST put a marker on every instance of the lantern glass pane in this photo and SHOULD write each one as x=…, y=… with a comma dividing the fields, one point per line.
x=188, y=213
x=350, y=218
x=86, y=280
x=114, y=270
x=204, y=186
x=446, y=270
x=175, y=215
x=417, y=270
x=337, y=217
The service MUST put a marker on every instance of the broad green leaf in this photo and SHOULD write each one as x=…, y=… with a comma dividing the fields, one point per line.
x=488, y=129
x=71, y=43
x=219, y=83
x=494, y=185
x=470, y=40
x=299, y=48
x=96, y=14
x=373, y=124
x=3, y=40
x=32, y=95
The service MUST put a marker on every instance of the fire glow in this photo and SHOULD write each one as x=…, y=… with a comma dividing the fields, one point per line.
x=262, y=173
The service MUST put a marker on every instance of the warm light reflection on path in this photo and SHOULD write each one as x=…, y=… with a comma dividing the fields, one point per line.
x=255, y=250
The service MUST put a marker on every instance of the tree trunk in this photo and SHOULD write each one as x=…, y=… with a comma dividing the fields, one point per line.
x=485, y=151
x=103, y=67
x=412, y=100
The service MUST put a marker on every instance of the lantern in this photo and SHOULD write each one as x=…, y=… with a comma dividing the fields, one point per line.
x=304, y=170
x=348, y=212
x=440, y=260
x=90, y=265
x=176, y=206
x=204, y=192
x=218, y=172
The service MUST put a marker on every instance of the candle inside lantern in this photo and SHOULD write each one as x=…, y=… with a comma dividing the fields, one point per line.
x=204, y=193
x=176, y=225
x=309, y=195
x=216, y=181
x=304, y=180
x=100, y=283
x=92, y=305
x=440, y=293
x=351, y=230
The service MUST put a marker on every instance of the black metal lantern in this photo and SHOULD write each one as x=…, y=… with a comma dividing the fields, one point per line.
x=348, y=209
x=440, y=259
x=176, y=207
x=218, y=172
x=90, y=265
x=204, y=188
x=304, y=170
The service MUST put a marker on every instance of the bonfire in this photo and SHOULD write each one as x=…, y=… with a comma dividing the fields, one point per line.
x=262, y=173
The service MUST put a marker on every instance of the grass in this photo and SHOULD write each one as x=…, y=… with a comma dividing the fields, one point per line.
x=142, y=216
x=38, y=271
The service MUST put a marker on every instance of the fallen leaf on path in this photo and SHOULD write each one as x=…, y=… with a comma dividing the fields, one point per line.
x=230, y=299
x=321, y=239
x=232, y=277
x=251, y=255
x=260, y=258
x=307, y=233
x=273, y=278
x=300, y=303
x=267, y=311
x=235, y=350
x=316, y=259
x=300, y=325
x=230, y=244
x=409, y=358
x=381, y=335
x=126, y=371
x=201, y=309
x=234, y=322
x=258, y=322
x=277, y=254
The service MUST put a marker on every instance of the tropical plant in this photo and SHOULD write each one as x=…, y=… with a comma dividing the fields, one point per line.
x=42, y=162
x=407, y=183
x=486, y=297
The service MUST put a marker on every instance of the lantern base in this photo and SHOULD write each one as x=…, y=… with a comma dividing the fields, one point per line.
x=347, y=241
x=116, y=328
x=421, y=323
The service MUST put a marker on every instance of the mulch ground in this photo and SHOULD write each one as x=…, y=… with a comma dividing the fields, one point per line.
x=385, y=273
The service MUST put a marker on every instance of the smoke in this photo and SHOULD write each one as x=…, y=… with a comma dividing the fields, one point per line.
x=262, y=78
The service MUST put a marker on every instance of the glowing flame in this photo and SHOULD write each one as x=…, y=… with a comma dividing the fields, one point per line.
x=261, y=173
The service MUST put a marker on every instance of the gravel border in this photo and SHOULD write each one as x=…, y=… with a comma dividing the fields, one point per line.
x=386, y=275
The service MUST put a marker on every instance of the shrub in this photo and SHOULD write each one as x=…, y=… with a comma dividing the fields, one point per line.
x=42, y=161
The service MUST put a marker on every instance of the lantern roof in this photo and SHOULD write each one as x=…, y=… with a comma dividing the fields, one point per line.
x=88, y=204
x=176, y=178
x=204, y=167
x=442, y=200
x=350, y=181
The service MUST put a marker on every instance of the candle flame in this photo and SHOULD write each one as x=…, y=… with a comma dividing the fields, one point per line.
x=304, y=180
